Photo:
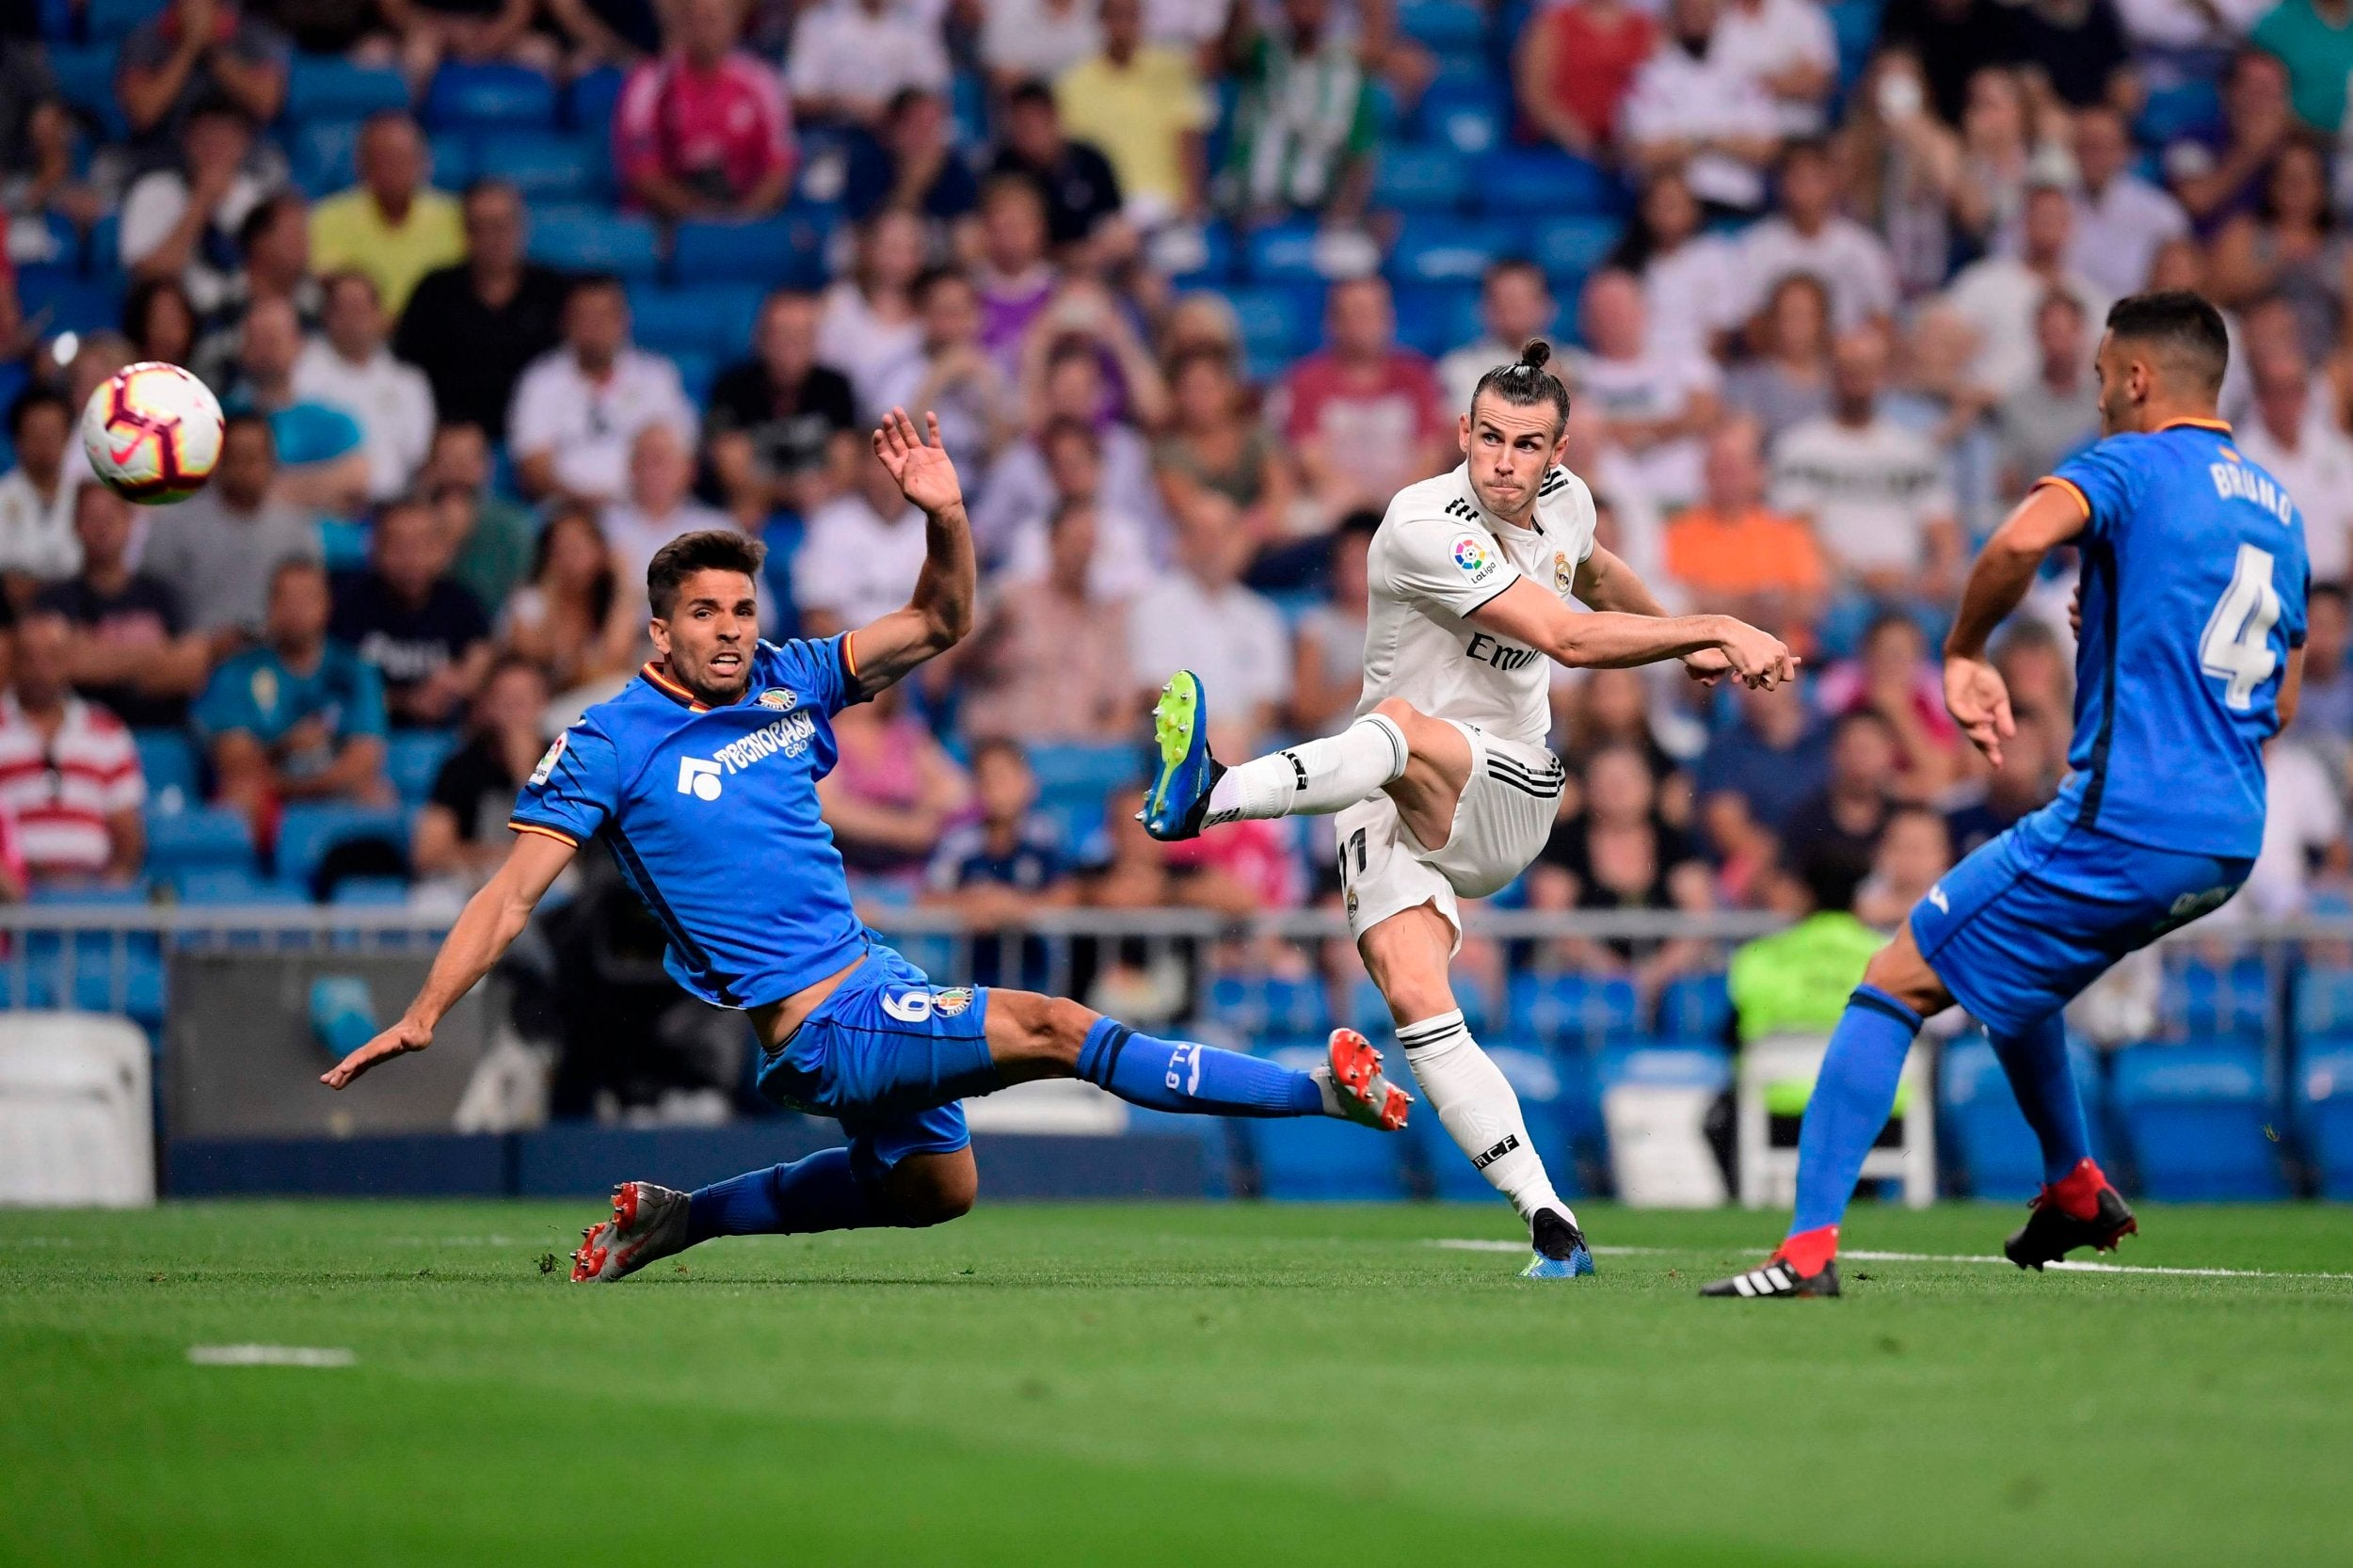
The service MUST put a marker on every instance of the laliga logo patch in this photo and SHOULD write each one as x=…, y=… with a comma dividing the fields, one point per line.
x=779, y=698
x=548, y=761
x=1472, y=557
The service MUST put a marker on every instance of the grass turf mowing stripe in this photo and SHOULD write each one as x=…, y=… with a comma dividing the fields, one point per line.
x=1471, y=1243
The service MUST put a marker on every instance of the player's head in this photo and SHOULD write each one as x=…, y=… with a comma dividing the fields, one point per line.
x=2162, y=359
x=1512, y=432
x=706, y=611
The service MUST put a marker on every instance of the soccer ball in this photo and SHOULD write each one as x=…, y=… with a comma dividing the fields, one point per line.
x=152, y=433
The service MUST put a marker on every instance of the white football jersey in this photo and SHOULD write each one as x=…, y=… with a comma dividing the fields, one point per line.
x=1440, y=555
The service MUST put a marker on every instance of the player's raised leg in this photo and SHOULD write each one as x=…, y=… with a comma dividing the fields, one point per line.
x=1192, y=790
x=1408, y=954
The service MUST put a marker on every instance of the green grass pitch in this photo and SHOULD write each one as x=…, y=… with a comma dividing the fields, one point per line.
x=1168, y=1385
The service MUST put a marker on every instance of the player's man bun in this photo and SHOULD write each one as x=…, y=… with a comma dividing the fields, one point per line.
x=1524, y=382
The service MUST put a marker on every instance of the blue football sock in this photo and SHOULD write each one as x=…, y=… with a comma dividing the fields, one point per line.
x=820, y=1192
x=1178, y=1075
x=1851, y=1103
x=2035, y=1063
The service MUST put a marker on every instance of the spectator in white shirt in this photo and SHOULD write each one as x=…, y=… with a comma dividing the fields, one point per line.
x=661, y=504
x=1655, y=404
x=872, y=331
x=37, y=539
x=849, y=58
x=861, y=557
x=1693, y=280
x=2297, y=445
x=1516, y=303
x=183, y=222
x=1998, y=297
x=1878, y=494
x=2120, y=219
x=1686, y=108
x=349, y=368
x=1808, y=234
x=1025, y=41
x=1786, y=47
x=2303, y=830
x=582, y=404
x=1201, y=618
x=69, y=772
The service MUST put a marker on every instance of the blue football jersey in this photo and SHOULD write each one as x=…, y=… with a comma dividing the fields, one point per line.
x=2194, y=579
x=711, y=815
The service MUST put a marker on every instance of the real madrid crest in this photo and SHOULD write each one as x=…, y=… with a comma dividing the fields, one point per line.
x=1563, y=574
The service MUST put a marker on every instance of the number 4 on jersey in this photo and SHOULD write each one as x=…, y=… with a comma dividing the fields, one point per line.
x=2236, y=647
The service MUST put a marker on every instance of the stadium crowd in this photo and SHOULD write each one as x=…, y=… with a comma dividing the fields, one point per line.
x=500, y=296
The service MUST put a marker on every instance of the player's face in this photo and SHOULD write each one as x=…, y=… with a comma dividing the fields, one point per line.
x=707, y=642
x=1508, y=446
x=2123, y=384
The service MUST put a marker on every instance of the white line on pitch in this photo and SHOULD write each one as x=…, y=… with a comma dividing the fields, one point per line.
x=1466, y=1243
x=269, y=1356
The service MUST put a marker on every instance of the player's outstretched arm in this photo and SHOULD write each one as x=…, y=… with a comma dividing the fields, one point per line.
x=1604, y=582
x=1613, y=639
x=1975, y=693
x=491, y=921
x=940, y=611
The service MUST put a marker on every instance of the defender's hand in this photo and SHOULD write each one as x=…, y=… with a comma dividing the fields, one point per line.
x=1976, y=697
x=399, y=1040
x=919, y=463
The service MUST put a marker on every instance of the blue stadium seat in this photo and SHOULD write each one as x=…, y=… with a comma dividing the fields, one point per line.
x=1696, y=1007
x=1987, y=1135
x=1319, y=1159
x=585, y=239
x=371, y=892
x=112, y=21
x=588, y=106
x=543, y=166
x=414, y=758
x=57, y=299
x=326, y=86
x=782, y=250
x=697, y=370
x=86, y=79
x=344, y=545
x=1195, y=257
x=1419, y=179
x=1256, y=1006
x=323, y=157
x=1453, y=251
x=1549, y=183
x=308, y=832
x=169, y=762
x=1284, y=253
x=2324, y=1001
x=1556, y=1095
x=2199, y=1120
x=2184, y=110
x=489, y=97
x=1435, y=317
x=222, y=886
x=1668, y=1064
x=717, y=318
x=1464, y=116
x=1855, y=25
x=1276, y=323
x=2324, y=1095
x=1576, y=1008
x=1447, y=26
x=1569, y=247
x=452, y=160
x=2202, y=1000
x=203, y=838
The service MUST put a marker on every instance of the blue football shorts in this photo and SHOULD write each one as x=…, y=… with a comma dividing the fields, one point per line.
x=888, y=1055
x=2034, y=915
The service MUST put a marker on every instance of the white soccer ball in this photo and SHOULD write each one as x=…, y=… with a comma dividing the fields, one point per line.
x=152, y=433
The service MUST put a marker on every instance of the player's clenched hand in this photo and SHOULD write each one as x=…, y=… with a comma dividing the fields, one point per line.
x=1979, y=701
x=1759, y=658
x=1707, y=667
x=919, y=462
x=399, y=1040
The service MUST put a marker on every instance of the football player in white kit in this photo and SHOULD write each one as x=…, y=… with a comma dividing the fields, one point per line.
x=1444, y=786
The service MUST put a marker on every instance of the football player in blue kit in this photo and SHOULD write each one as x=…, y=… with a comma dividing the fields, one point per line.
x=2192, y=597
x=702, y=779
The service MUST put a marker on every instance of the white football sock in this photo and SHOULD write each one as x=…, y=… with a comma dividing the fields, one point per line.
x=1476, y=1105
x=1316, y=778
